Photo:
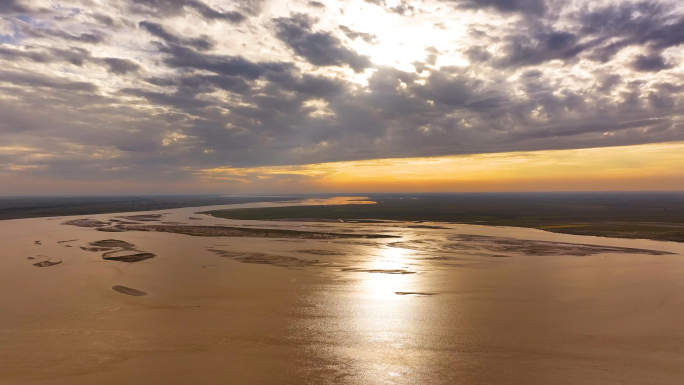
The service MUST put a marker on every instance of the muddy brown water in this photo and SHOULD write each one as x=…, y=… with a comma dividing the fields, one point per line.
x=434, y=308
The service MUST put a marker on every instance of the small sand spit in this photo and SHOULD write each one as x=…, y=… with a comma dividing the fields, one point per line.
x=128, y=291
x=414, y=293
x=381, y=271
x=86, y=223
x=130, y=258
x=530, y=247
x=266, y=259
x=117, y=250
x=109, y=243
x=47, y=263
x=143, y=217
x=225, y=231
x=321, y=252
x=499, y=247
x=428, y=227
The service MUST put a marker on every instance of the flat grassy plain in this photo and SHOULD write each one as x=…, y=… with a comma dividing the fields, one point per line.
x=658, y=216
x=33, y=207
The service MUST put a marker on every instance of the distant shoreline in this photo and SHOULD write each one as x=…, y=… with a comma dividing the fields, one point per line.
x=41, y=207
x=613, y=215
x=629, y=217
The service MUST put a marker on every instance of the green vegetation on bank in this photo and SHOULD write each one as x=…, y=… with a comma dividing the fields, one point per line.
x=657, y=216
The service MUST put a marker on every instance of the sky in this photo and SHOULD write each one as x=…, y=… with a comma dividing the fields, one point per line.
x=266, y=96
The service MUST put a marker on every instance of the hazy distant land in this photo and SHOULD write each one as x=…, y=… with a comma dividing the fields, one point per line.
x=34, y=207
x=657, y=216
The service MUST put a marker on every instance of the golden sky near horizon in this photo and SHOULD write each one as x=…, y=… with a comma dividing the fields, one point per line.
x=650, y=167
x=642, y=167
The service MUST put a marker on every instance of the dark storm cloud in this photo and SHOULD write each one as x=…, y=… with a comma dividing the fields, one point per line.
x=318, y=48
x=201, y=43
x=316, y=4
x=174, y=7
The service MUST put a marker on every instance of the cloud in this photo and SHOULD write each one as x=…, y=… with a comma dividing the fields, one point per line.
x=198, y=84
x=522, y=51
x=533, y=7
x=75, y=56
x=13, y=7
x=403, y=9
x=104, y=19
x=318, y=48
x=477, y=54
x=14, y=54
x=47, y=33
x=183, y=57
x=651, y=63
x=367, y=37
x=599, y=34
x=201, y=43
x=35, y=80
x=174, y=7
x=651, y=24
x=120, y=66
